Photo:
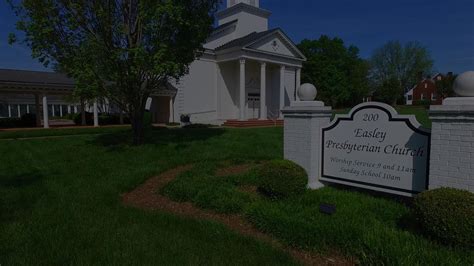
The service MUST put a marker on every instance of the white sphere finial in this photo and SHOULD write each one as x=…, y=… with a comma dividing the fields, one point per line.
x=307, y=92
x=464, y=84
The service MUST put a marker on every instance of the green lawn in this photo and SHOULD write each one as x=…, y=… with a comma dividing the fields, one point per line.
x=377, y=231
x=60, y=204
x=60, y=200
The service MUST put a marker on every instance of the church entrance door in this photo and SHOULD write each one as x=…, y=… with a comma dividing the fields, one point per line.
x=253, y=110
x=161, y=112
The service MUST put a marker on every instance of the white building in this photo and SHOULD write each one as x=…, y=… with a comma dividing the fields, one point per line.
x=247, y=71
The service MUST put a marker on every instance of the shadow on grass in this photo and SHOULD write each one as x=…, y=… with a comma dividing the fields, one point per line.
x=20, y=181
x=19, y=194
x=159, y=136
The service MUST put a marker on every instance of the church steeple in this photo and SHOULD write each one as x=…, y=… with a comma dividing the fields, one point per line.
x=255, y=3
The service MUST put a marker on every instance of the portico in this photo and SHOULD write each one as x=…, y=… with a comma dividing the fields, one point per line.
x=272, y=87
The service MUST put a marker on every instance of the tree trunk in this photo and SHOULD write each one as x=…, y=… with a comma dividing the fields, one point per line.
x=137, y=120
x=83, y=113
x=121, y=117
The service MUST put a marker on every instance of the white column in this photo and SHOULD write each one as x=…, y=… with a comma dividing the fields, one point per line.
x=242, y=99
x=27, y=108
x=96, y=114
x=263, y=91
x=298, y=82
x=75, y=109
x=68, y=109
x=282, y=89
x=38, y=111
x=52, y=110
x=45, y=112
x=61, y=110
x=19, y=110
x=9, y=110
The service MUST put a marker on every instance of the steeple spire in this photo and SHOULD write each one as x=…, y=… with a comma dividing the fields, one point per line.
x=255, y=3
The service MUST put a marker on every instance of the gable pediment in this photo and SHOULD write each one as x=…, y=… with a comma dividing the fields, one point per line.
x=276, y=43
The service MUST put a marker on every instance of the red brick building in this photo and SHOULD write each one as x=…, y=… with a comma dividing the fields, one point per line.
x=425, y=90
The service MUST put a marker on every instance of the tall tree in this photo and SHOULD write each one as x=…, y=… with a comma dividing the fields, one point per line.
x=338, y=71
x=394, y=61
x=128, y=49
x=444, y=87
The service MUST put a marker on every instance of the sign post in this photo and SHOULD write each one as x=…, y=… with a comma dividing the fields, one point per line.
x=375, y=148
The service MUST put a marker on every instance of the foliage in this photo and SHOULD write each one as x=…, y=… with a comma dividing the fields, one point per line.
x=364, y=227
x=104, y=119
x=282, y=179
x=447, y=214
x=444, y=87
x=336, y=70
x=185, y=118
x=56, y=193
x=26, y=120
x=394, y=62
x=198, y=126
x=425, y=103
x=121, y=50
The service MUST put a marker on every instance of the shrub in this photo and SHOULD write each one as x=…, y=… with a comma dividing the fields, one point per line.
x=26, y=120
x=447, y=215
x=281, y=179
x=424, y=103
x=197, y=126
x=104, y=119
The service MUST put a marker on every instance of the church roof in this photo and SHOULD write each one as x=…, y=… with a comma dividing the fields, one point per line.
x=18, y=78
x=246, y=40
x=223, y=26
x=243, y=7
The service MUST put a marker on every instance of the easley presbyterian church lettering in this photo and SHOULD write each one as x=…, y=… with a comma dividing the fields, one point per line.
x=378, y=136
x=374, y=147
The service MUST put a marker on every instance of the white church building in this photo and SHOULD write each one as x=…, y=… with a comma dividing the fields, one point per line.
x=246, y=72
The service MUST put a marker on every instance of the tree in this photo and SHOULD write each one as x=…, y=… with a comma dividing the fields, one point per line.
x=394, y=61
x=444, y=87
x=127, y=49
x=337, y=71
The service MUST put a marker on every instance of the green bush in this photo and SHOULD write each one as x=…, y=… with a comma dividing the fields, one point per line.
x=104, y=119
x=447, y=215
x=26, y=120
x=281, y=179
x=424, y=103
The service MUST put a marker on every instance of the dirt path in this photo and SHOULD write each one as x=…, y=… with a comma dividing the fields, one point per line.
x=147, y=197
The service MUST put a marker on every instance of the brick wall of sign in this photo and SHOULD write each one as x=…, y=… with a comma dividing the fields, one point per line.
x=452, y=154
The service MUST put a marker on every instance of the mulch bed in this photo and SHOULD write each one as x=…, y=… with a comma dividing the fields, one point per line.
x=147, y=197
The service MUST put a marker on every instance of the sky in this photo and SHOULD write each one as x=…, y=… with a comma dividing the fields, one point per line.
x=445, y=27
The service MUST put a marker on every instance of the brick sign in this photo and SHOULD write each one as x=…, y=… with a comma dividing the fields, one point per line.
x=375, y=148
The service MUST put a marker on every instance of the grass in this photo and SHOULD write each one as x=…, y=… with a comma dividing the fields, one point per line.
x=366, y=227
x=60, y=203
x=60, y=200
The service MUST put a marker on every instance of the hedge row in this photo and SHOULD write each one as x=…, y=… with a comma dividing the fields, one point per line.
x=26, y=120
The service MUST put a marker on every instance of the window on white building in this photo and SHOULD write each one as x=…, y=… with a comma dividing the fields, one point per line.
x=3, y=110
x=409, y=97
